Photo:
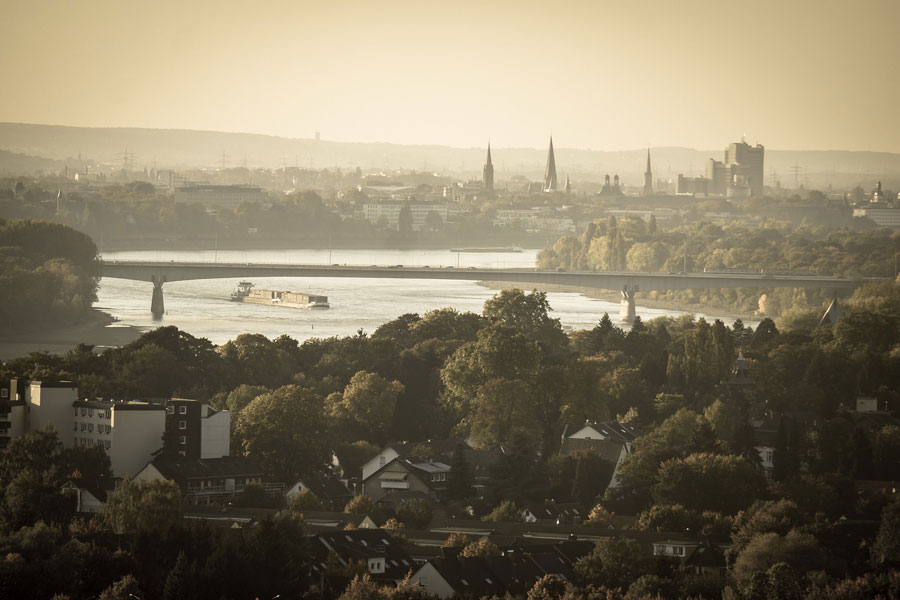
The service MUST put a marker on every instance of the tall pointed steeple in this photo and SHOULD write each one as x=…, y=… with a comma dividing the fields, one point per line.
x=648, y=177
x=487, y=179
x=550, y=182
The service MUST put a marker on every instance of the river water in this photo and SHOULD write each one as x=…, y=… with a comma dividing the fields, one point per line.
x=203, y=309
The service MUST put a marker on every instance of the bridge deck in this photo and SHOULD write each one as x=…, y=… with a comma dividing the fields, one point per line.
x=181, y=271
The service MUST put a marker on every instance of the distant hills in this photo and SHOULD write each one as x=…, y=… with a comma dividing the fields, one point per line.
x=29, y=147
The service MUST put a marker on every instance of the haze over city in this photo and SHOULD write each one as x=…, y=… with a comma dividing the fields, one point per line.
x=804, y=75
x=395, y=300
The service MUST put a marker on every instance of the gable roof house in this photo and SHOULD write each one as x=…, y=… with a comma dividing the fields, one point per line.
x=385, y=559
x=403, y=475
x=480, y=462
x=610, y=440
x=89, y=493
x=204, y=480
x=330, y=491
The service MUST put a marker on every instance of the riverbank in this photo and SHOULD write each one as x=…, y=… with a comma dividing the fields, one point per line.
x=640, y=300
x=98, y=329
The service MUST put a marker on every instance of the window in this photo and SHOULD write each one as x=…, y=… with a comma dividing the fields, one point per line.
x=90, y=442
x=182, y=410
x=107, y=443
x=182, y=453
x=90, y=412
x=170, y=410
x=4, y=393
x=76, y=426
x=84, y=441
x=182, y=424
x=100, y=413
x=109, y=414
x=76, y=411
x=182, y=439
x=382, y=459
x=83, y=412
x=108, y=429
x=83, y=427
x=90, y=428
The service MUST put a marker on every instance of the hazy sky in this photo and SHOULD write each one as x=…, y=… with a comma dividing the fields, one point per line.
x=606, y=75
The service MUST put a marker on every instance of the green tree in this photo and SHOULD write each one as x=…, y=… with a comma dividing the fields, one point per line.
x=415, y=513
x=148, y=506
x=405, y=220
x=286, y=432
x=614, y=562
x=367, y=405
x=460, y=480
x=724, y=484
x=505, y=511
x=798, y=550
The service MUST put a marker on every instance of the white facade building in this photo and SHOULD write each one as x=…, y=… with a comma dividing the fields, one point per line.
x=130, y=432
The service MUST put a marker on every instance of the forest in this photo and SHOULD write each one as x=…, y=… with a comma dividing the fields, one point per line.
x=48, y=275
x=632, y=244
x=512, y=378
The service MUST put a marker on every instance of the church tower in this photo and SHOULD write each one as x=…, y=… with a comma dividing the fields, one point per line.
x=487, y=179
x=550, y=182
x=648, y=177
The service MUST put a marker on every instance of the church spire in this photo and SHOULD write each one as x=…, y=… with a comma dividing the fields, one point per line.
x=648, y=177
x=487, y=180
x=550, y=181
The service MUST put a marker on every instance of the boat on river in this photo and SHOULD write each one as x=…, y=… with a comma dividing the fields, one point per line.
x=245, y=292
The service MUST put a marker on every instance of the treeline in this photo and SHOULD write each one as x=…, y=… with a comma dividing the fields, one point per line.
x=48, y=274
x=631, y=244
x=511, y=377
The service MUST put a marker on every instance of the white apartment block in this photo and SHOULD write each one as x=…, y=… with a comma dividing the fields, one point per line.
x=130, y=432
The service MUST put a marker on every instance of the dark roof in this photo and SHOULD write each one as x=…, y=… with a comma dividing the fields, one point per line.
x=98, y=487
x=515, y=572
x=327, y=487
x=469, y=576
x=362, y=544
x=608, y=450
x=184, y=469
x=706, y=555
x=557, y=510
x=443, y=450
x=118, y=405
x=553, y=563
x=397, y=497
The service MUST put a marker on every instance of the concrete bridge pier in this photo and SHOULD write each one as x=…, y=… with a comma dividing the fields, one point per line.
x=157, y=306
x=626, y=308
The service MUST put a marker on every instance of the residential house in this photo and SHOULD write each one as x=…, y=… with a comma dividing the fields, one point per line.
x=610, y=440
x=385, y=559
x=89, y=493
x=199, y=430
x=402, y=474
x=331, y=491
x=204, y=480
x=553, y=512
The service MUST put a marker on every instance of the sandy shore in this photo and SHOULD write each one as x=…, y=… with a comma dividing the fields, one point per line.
x=640, y=300
x=100, y=330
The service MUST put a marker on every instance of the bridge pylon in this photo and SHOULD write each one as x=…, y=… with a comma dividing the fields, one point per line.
x=157, y=305
x=627, y=310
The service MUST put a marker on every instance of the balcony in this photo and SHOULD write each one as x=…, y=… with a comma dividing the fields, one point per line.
x=392, y=484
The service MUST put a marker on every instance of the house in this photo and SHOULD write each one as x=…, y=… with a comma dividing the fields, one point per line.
x=402, y=474
x=610, y=440
x=480, y=462
x=384, y=559
x=554, y=512
x=204, y=480
x=89, y=493
x=513, y=573
x=331, y=491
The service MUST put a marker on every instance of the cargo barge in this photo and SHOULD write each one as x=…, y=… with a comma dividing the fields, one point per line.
x=246, y=293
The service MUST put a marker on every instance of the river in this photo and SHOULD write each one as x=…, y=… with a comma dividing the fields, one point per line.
x=203, y=309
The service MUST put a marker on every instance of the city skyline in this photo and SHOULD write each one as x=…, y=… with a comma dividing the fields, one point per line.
x=818, y=76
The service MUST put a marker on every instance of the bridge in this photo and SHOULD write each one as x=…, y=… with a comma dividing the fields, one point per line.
x=627, y=283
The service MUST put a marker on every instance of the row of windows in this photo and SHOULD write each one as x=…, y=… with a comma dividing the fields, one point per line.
x=438, y=476
x=103, y=413
x=89, y=427
x=182, y=410
x=89, y=442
